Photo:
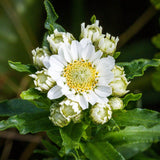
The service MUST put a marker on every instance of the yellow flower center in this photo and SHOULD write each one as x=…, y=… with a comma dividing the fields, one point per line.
x=80, y=75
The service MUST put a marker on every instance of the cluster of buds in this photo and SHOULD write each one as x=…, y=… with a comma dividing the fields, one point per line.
x=69, y=110
x=106, y=43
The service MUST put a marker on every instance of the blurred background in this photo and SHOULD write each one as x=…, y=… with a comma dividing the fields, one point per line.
x=22, y=29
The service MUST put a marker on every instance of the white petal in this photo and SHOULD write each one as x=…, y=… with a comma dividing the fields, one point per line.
x=54, y=92
x=88, y=51
x=64, y=50
x=57, y=60
x=85, y=41
x=46, y=62
x=103, y=91
x=96, y=55
x=83, y=102
x=107, y=63
x=91, y=97
x=106, y=78
x=53, y=73
x=74, y=50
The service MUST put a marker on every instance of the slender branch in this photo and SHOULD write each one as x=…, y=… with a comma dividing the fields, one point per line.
x=137, y=26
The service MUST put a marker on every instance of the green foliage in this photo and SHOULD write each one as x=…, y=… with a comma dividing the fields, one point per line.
x=156, y=80
x=100, y=150
x=18, y=66
x=52, y=16
x=28, y=122
x=156, y=3
x=136, y=117
x=137, y=67
x=16, y=107
x=131, y=97
x=93, y=19
x=156, y=41
x=116, y=55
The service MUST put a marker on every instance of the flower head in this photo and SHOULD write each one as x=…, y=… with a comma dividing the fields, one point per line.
x=101, y=113
x=58, y=38
x=38, y=55
x=81, y=74
x=42, y=80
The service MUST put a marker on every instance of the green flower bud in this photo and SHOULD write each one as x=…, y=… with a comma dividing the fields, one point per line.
x=58, y=38
x=119, y=86
x=101, y=113
x=42, y=80
x=57, y=118
x=108, y=44
x=116, y=103
x=92, y=32
x=38, y=55
x=118, y=71
x=70, y=110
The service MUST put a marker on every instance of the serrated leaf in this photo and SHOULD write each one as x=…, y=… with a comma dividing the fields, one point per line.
x=137, y=67
x=71, y=136
x=156, y=3
x=100, y=151
x=136, y=117
x=16, y=107
x=52, y=16
x=131, y=97
x=28, y=122
x=18, y=66
x=127, y=138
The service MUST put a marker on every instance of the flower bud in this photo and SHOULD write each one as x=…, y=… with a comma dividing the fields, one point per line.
x=118, y=71
x=108, y=44
x=70, y=109
x=57, y=118
x=42, y=80
x=116, y=103
x=101, y=113
x=38, y=55
x=55, y=40
x=92, y=32
x=119, y=86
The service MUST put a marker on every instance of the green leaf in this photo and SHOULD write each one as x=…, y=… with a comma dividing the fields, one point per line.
x=100, y=151
x=156, y=40
x=18, y=66
x=28, y=122
x=156, y=80
x=132, y=138
x=93, y=19
x=137, y=67
x=116, y=55
x=136, y=117
x=156, y=3
x=39, y=99
x=16, y=107
x=71, y=136
x=51, y=18
x=54, y=136
x=131, y=97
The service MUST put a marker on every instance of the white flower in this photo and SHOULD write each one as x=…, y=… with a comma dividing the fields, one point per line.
x=108, y=44
x=81, y=74
x=101, y=113
x=42, y=80
x=118, y=71
x=116, y=103
x=39, y=54
x=93, y=31
x=58, y=38
x=119, y=86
